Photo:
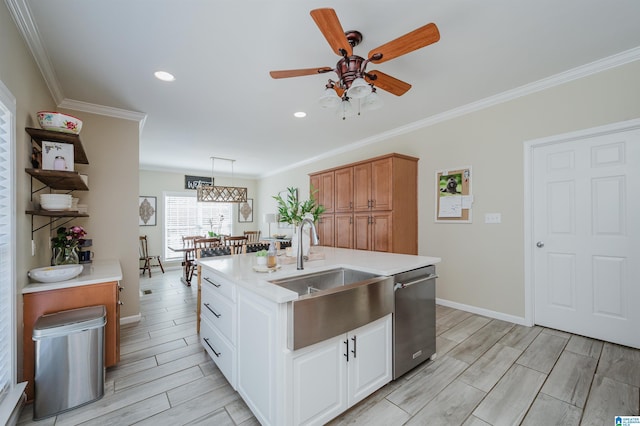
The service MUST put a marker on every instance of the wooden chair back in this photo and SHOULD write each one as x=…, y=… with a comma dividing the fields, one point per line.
x=144, y=247
x=236, y=244
x=252, y=236
x=207, y=242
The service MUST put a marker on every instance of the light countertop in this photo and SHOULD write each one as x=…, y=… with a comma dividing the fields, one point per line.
x=239, y=268
x=99, y=271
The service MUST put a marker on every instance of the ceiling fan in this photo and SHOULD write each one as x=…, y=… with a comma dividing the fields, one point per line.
x=354, y=81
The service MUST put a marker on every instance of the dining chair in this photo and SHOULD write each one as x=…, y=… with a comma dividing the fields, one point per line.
x=236, y=244
x=252, y=236
x=189, y=243
x=147, y=259
x=206, y=252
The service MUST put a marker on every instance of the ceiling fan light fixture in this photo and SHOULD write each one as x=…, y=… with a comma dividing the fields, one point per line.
x=345, y=109
x=359, y=88
x=329, y=98
x=372, y=102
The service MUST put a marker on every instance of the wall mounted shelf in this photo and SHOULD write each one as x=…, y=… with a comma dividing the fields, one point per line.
x=39, y=135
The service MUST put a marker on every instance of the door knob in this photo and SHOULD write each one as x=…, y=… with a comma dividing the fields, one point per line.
x=540, y=244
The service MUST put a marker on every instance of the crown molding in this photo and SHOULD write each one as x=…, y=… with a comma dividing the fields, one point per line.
x=577, y=73
x=140, y=117
x=21, y=14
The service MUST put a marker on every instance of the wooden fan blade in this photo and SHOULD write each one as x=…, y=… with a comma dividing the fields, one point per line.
x=407, y=43
x=388, y=83
x=298, y=73
x=329, y=25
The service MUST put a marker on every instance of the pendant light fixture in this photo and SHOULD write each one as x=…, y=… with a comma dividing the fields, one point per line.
x=221, y=194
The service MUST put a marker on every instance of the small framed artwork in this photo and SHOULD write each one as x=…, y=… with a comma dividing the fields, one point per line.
x=147, y=210
x=57, y=156
x=245, y=211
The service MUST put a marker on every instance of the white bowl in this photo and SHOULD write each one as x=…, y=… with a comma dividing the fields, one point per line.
x=55, y=207
x=55, y=201
x=56, y=197
x=59, y=122
x=54, y=274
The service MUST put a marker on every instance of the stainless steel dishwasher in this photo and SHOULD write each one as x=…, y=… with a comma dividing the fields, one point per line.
x=414, y=318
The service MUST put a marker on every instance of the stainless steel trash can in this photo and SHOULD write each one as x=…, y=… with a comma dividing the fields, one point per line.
x=69, y=360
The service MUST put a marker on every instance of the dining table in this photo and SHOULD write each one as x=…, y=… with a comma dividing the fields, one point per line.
x=186, y=262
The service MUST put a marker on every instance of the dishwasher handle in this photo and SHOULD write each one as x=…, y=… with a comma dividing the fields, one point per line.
x=399, y=286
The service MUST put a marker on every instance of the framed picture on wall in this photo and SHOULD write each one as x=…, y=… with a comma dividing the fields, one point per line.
x=245, y=211
x=147, y=210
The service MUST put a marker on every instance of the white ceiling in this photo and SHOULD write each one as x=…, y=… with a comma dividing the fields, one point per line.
x=101, y=55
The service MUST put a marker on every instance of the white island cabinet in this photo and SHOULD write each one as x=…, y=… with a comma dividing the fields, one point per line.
x=245, y=331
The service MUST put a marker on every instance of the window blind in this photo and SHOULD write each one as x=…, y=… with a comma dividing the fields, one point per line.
x=184, y=215
x=7, y=248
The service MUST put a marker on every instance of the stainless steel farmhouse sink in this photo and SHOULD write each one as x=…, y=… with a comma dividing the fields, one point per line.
x=333, y=302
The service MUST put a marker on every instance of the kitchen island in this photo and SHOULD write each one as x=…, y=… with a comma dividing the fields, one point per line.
x=97, y=284
x=246, y=326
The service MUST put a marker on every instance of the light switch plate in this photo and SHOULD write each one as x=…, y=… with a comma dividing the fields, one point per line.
x=492, y=218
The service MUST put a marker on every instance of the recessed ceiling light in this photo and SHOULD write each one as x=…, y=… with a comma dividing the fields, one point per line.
x=299, y=114
x=164, y=76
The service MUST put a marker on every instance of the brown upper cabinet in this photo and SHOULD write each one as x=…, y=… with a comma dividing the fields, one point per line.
x=324, y=185
x=375, y=204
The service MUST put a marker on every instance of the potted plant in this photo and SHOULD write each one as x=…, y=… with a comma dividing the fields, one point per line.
x=261, y=257
x=293, y=211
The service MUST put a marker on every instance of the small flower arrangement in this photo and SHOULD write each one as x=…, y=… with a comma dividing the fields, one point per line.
x=68, y=238
x=261, y=253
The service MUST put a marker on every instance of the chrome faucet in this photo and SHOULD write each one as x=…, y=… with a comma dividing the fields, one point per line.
x=314, y=240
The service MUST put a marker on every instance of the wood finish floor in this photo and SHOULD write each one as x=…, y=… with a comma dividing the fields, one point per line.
x=487, y=372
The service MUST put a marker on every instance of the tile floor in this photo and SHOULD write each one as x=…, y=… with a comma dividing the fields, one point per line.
x=487, y=372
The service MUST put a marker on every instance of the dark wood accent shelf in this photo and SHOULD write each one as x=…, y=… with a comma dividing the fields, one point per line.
x=56, y=213
x=39, y=135
x=59, y=179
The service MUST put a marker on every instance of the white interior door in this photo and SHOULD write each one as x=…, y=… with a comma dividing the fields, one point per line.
x=586, y=232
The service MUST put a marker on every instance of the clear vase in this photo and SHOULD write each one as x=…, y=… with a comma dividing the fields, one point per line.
x=65, y=256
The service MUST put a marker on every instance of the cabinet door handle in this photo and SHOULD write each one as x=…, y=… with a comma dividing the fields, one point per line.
x=211, y=282
x=217, y=354
x=212, y=311
x=354, y=346
x=350, y=205
x=346, y=343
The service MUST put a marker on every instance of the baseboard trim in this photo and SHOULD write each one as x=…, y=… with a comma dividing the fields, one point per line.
x=130, y=320
x=484, y=312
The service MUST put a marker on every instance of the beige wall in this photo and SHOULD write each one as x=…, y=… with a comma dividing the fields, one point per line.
x=483, y=265
x=155, y=183
x=112, y=148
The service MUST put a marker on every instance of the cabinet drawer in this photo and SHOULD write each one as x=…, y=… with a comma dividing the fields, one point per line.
x=220, y=312
x=220, y=285
x=219, y=350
